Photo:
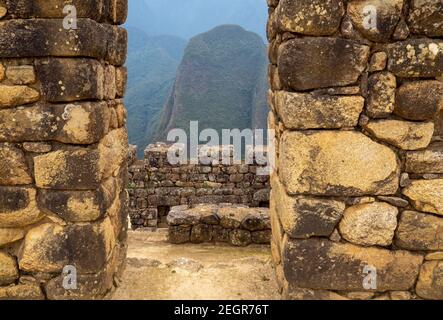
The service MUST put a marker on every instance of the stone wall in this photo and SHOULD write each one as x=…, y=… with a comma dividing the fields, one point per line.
x=357, y=198
x=155, y=185
x=234, y=224
x=63, y=148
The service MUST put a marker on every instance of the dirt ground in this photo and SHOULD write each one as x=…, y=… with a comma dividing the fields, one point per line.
x=158, y=270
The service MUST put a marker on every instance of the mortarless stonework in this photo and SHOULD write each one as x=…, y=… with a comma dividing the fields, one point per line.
x=155, y=185
x=63, y=148
x=358, y=114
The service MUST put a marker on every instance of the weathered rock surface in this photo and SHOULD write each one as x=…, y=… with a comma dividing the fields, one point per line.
x=420, y=100
x=378, y=61
x=179, y=234
x=181, y=215
x=426, y=195
x=417, y=58
x=425, y=161
x=201, y=233
x=402, y=134
x=381, y=100
x=419, y=231
x=79, y=123
x=13, y=166
x=240, y=238
x=430, y=282
x=8, y=269
x=321, y=264
x=18, y=207
x=22, y=292
x=385, y=13
x=336, y=163
x=50, y=247
x=308, y=111
x=305, y=63
x=369, y=224
x=303, y=217
x=10, y=235
x=426, y=17
x=310, y=17
x=21, y=74
x=13, y=96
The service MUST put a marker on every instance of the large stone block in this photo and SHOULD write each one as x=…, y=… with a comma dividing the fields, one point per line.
x=321, y=264
x=47, y=37
x=369, y=224
x=386, y=14
x=419, y=231
x=18, y=207
x=430, y=282
x=309, y=111
x=419, y=100
x=13, y=166
x=425, y=161
x=309, y=63
x=405, y=135
x=304, y=217
x=416, y=58
x=77, y=123
x=65, y=80
x=13, y=96
x=426, y=195
x=426, y=17
x=336, y=163
x=82, y=168
x=49, y=247
x=310, y=17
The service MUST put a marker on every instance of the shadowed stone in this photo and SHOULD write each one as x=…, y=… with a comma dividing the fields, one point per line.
x=13, y=165
x=336, y=163
x=426, y=17
x=310, y=17
x=321, y=264
x=50, y=247
x=305, y=63
x=425, y=161
x=416, y=58
x=304, y=217
x=420, y=100
x=419, y=231
x=240, y=238
x=18, y=207
x=308, y=111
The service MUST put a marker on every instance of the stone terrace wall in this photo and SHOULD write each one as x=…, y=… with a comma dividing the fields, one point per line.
x=154, y=184
x=63, y=148
x=357, y=108
x=235, y=224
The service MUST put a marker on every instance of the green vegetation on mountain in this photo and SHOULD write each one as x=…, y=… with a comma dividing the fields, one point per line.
x=221, y=82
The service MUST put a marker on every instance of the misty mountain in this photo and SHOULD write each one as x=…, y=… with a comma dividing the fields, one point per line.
x=221, y=82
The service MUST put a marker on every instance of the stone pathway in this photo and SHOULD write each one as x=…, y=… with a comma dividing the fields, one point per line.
x=158, y=270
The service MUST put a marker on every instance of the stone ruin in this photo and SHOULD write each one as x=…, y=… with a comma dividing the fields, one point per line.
x=357, y=198
x=63, y=148
x=155, y=185
x=356, y=98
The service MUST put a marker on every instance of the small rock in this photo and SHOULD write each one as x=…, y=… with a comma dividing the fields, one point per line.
x=378, y=61
x=395, y=201
x=37, y=147
x=13, y=96
x=3, y=12
x=381, y=100
x=186, y=264
x=404, y=180
x=401, y=31
x=369, y=224
x=400, y=295
x=21, y=74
